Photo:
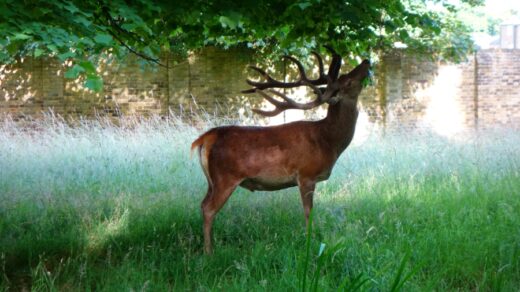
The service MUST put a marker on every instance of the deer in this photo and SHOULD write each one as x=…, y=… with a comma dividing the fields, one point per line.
x=271, y=158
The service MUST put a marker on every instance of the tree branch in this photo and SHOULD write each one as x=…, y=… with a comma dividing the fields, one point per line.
x=113, y=23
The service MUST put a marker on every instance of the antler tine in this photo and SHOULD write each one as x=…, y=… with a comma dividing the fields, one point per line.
x=270, y=81
x=279, y=106
x=330, y=49
x=335, y=64
x=303, y=75
x=276, y=103
x=261, y=71
x=288, y=103
x=267, y=113
x=260, y=85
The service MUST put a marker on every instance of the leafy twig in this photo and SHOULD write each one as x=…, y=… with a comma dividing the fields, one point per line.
x=114, y=24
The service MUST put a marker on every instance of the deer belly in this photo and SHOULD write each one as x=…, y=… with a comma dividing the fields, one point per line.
x=268, y=184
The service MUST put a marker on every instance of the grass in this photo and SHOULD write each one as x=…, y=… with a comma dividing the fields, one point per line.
x=104, y=207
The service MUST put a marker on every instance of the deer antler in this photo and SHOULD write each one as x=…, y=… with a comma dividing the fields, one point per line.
x=303, y=80
x=288, y=103
x=335, y=64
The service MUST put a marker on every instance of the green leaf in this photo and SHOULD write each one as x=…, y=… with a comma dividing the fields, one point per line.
x=86, y=41
x=82, y=20
x=231, y=20
x=103, y=39
x=88, y=67
x=38, y=52
x=66, y=56
x=21, y=36
x=53, y=48
x=71, y=7
x=94, y=83
x=44, y=11
x=129, y=26
x=74, y=72
x=304, y=5
x=227, y=22
x=176, y=32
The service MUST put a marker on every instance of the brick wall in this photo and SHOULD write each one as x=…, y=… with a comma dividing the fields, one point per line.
x=483, y=91
x=409, y=92
x=210, y=78
x=498, y=87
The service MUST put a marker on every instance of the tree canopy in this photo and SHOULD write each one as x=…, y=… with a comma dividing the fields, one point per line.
x=84, y=31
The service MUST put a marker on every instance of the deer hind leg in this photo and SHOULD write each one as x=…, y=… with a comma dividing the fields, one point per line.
x=217, y=195
x=208, y=220
x=306, y=187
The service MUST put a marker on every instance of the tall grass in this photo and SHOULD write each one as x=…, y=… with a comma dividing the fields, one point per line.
x=106, y=207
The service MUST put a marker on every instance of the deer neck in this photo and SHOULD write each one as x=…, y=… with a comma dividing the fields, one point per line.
x=340, y=124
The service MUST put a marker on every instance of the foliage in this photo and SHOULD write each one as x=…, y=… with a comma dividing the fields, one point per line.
x=404, y=211
x=84, y=31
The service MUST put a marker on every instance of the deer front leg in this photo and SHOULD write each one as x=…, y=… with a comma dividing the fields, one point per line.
x=306, y=192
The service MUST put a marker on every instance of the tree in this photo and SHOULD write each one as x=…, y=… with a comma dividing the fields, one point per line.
x=85, y=31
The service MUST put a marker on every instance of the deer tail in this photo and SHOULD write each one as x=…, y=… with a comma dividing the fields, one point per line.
x=205, y=140
x=203, y=144
x=196, y=144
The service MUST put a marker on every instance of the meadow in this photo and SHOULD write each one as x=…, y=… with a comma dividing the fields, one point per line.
x=105, y=207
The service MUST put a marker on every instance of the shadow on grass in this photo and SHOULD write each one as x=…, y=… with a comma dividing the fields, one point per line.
x=109, y=233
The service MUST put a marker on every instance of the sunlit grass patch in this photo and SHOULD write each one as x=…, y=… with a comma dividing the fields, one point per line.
x=114, y=207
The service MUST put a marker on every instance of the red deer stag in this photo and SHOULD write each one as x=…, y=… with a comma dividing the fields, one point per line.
x=299, y=154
